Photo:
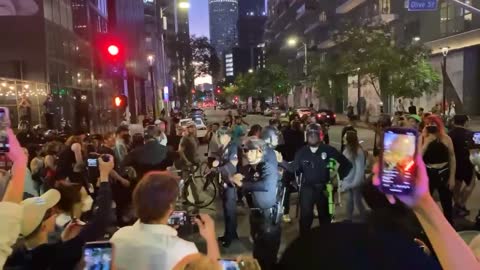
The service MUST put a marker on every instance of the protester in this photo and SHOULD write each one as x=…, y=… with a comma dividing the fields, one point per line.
x=71, y=161
x=121, y=143
x=39, y=219
x=439, y=156
x=413, y=121
x=188, y=148
x=255, y=131
x=150, y=243
x=352, y=183
x=462, y=141
x=11, y=212
x=412, y=109
x=213, y=151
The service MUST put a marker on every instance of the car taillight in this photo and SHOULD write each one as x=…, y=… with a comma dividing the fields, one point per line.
x=319, y=115
x=328, y=116
x=334, y=116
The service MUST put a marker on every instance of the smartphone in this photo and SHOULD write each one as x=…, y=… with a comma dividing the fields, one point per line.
x=229, y=264
x=476, y=140
x=4, y=124
x=180, y=218
x=397, y=161
x=98, y=255
x=92, y=162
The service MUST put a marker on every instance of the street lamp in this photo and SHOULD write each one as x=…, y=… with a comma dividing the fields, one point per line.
x=151, y=61
x=292, y=42
x=445, y=53
x=184, y=5
x=250, y=70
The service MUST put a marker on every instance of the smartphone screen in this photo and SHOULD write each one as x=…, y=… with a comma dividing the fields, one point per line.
x=398, y=161
x=4, y=123
x=98, y=255
x=476, y=140
x=229, y=264
x=178, y=218
x=92, y=162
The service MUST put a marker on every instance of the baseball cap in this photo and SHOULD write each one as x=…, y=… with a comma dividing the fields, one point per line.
x=35, y=208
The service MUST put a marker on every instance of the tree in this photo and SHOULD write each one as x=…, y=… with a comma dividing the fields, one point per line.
x=390, y=69
x=196, y=57
x=325, y=78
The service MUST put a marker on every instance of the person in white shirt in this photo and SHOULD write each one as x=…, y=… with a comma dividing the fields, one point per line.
x=161, y=135
x=213, y=143
x=150, y=243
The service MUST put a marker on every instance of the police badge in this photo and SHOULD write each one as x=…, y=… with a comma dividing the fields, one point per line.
x=324, y=155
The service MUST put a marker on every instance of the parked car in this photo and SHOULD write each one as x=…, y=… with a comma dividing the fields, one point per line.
x=326, y=116
x=270, y=111
x=199, y=124
x=304, y=111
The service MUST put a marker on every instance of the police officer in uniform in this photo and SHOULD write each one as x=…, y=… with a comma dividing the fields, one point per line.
x=260, y=180
x=311, y=161
x=227, y=167
x=270, y=137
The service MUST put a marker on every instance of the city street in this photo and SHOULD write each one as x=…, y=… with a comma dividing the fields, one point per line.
x=290, y=231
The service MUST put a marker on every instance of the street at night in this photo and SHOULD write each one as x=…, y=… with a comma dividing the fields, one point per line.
x=239, y=134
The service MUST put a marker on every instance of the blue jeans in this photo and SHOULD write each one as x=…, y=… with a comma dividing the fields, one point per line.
x=354, y=200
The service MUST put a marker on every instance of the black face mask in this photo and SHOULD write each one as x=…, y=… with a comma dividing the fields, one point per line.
x=432, y=129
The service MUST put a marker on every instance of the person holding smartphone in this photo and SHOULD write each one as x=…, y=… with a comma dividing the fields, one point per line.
x=10, y=208
x=151, y=244
x=439, y=156
x=39, y=219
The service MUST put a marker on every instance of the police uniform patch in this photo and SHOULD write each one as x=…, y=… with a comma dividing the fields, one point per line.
x=324, y=155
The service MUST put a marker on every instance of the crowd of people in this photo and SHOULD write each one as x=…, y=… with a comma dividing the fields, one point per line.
x=119, y=187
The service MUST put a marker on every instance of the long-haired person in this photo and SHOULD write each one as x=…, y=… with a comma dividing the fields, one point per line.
x=439, y=157
x=352, y=184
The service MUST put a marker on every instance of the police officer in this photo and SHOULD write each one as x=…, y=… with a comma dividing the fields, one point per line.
x=311, y=161
x=260, y=180
x=227, y=166
x=270, y=137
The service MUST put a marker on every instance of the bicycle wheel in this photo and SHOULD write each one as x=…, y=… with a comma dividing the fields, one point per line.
x=200, y=191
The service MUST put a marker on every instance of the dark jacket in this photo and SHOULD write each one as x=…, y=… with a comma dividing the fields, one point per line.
x=148, y=157
x=261, y=182
x=226, y=168
x=314, y=166
x=65, y=255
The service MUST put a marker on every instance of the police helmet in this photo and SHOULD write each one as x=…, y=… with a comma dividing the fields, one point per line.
x=314, y=129
x=270, y=136
x=254, y=143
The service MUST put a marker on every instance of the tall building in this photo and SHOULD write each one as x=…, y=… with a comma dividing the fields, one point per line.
x=126, y=23
x=251, y=8
x=223, y=25
x=41, y=54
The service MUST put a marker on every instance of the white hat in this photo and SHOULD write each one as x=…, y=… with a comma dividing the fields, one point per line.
x=34, y=210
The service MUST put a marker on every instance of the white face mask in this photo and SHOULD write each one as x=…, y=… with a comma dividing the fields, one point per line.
x=313, y=149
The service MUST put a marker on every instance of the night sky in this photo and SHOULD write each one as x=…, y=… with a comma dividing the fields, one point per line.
x=199, y=18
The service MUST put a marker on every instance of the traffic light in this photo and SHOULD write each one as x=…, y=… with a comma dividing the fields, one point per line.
x=218, y=91
x=113, y=50
x=120, y=101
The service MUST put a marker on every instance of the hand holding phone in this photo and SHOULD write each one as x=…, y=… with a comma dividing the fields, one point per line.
x=397, y=161
x=98, y=255
x=420, y=191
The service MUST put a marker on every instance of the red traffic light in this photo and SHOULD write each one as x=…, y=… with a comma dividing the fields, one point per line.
x=218, y=90
x=120, y=101
x=113, y=50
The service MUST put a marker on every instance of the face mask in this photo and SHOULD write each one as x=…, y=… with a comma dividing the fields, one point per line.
x=432, y=129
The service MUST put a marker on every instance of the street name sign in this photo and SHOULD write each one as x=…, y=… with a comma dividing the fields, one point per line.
x=422, y=5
